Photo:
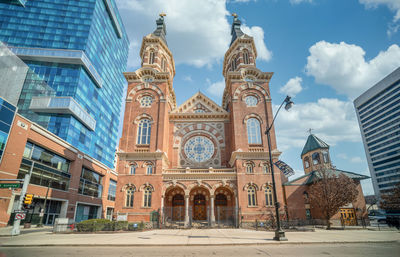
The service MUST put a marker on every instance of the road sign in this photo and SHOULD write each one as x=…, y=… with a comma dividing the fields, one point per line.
x=20, y=216
x=10, y=185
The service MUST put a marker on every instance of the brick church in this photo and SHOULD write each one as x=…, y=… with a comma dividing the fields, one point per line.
x=197, y=162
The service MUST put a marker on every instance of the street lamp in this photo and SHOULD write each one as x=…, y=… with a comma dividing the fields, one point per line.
x=279, y=233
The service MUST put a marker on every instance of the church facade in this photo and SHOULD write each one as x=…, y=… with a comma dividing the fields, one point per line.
x=197, y=162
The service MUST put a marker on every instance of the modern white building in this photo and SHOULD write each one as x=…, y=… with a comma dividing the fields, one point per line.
x=378, y=113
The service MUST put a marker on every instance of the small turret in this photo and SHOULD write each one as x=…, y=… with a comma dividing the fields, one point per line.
x=315, y=154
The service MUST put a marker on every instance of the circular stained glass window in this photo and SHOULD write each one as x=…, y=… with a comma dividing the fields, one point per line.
x=251, y=100
x=146, y=101
x=199, y=149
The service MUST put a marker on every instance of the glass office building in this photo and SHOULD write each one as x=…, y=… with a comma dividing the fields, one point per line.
x=79, y=48
x=378, y=112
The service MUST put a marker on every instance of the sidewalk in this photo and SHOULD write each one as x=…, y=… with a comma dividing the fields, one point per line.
x=167, y=237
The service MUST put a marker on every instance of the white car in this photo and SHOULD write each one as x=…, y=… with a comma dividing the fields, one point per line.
x=377, y=215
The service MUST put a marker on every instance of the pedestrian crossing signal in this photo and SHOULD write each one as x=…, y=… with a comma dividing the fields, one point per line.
x=28, y=199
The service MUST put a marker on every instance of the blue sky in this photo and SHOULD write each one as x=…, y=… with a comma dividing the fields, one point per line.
x=324, y=53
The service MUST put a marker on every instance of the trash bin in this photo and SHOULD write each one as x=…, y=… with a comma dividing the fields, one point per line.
x=61, y=225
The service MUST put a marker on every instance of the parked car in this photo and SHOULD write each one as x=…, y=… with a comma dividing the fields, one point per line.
x=377, y=215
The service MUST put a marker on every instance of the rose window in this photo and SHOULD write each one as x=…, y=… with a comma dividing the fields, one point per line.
x=146, y=101
x=199, y=149
x=251, y=100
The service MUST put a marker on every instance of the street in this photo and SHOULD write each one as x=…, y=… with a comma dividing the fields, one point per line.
x=298, y=250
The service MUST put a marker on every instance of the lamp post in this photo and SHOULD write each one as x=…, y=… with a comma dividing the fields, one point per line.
x=279, y=233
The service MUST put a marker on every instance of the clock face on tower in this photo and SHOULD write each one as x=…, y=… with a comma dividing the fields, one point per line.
x=199, y=149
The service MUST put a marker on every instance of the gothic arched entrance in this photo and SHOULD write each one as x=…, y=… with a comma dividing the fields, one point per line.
x=224, y=206
x=199, y=207
x=199, y=199
x=178, y=207
x=174, y=206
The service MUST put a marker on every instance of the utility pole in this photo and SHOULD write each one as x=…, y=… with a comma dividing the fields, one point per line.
x=15, y=230
x=44, y=206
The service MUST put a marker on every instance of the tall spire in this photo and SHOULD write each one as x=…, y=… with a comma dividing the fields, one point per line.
x=236, y=31
x=161, y=30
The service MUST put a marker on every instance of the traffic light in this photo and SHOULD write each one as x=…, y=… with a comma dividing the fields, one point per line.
x=28, y=199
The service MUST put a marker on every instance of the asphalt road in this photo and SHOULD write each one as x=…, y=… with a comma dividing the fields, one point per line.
x=298, y=250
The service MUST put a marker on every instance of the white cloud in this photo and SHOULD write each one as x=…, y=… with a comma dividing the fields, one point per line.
x=193, y=37
x=393, y=5
x=292, y=87
x=217, y=88
x=133, y=57
x=356, y=160
x=242, y=1
x=343, y=66
x=331, y=119
x=258, y=34
x=300, y=1
x=188, y=78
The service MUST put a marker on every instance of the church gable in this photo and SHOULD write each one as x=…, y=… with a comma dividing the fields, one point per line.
x=199, y=103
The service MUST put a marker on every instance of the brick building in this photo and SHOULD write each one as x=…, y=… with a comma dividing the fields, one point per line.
x=315, y=155
x=78, y=187
x=198, y=162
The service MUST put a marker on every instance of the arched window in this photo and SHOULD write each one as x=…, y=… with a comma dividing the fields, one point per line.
x=251, y=193
x=305, y=195
x=147, y=197
x=325, y=156
x=253, y=131
x=151, y=57
x=149, y=169
x=306, y=162
x=269, y=200
x=132, y=169
x=129, y=197
x=144, y=131
x=315, y=158
x=251, y=101
x=233, y=63
x=146, y=101
x=245, y=57
x=163, y=64
x=249, y=167
x=265, y=168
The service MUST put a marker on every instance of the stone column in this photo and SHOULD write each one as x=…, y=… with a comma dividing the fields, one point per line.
x=236, y=211
x=187, y=221
x=162, y=210
x=212, y=211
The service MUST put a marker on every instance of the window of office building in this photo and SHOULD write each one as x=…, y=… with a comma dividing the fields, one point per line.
x=86, y=212
x=90, y=183
x=48, y=169
x=112, y=189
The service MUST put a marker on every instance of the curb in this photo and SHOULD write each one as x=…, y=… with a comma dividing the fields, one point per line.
x=175, y=245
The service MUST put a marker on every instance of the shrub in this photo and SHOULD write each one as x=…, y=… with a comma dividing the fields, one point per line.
x=120, y=225
x=93, y=225
x=136, y=226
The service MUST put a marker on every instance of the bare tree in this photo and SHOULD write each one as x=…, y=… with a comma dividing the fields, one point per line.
x=330, y=191
x=391, y=201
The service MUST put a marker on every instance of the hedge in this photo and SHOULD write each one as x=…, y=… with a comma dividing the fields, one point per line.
x=94, y=225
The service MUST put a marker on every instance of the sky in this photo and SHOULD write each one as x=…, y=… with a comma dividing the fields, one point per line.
x=324, y=53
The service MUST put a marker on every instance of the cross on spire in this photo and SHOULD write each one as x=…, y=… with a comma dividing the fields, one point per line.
x=310, y=130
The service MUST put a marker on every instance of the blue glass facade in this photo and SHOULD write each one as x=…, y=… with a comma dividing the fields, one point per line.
x=80, y=49
x=7, y=113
